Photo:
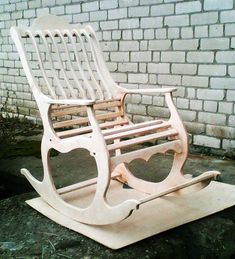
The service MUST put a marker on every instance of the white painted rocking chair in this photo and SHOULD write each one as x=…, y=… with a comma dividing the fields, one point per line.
x=70, y=77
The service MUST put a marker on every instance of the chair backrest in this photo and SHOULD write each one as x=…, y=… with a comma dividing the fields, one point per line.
x=62, y=60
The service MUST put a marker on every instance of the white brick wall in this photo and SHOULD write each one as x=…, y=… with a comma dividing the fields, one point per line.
x=188, y=44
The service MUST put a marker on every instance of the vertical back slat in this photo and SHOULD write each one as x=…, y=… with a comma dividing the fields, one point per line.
x=91, y=74
x=60, y=63
x=94, y=55
x=51, y=61
x=75, y=77
x=41, y=65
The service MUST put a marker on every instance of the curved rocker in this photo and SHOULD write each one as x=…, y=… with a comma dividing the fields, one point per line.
x=73, y=88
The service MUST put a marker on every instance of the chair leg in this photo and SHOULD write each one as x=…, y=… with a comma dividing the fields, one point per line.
x=99, y=212
x=175, y=176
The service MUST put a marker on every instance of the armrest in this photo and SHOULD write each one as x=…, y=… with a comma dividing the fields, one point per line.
x=147, y=90
x=81, y=102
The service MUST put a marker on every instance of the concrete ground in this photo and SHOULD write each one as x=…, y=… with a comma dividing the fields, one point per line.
x=24, y=233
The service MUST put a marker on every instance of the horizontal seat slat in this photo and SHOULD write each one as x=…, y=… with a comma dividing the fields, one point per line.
x=137, y=131
x=73, y=132
x=131, y=127
x=105, y=116
x=73, y=109
x=138, y=140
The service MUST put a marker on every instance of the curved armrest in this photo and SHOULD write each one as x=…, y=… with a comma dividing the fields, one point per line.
x=81, y=102
x=147, y=91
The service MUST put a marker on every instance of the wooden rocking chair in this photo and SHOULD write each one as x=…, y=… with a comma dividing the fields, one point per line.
x=66, y=71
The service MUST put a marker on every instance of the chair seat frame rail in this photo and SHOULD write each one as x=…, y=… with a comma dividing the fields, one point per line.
x=104, y=135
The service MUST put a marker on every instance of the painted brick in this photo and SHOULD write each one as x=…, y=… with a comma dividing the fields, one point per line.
x=164, y=9
x=119, y=56
x=109, y=46
x=184, y=69
x=109, y=25
x=161, y=33
x=137, y=109
x=187, y=32
x=231, y=121
x=179, y=20
x=214, y=70
x=143, y=68
x=185, y=44
x=141, y=56
x=228, y=144
x=129, y=23
x=153, y=79
x=128, y=67
x=227, y=16
x=200, y=57
x=225, y=107
x=128, y=45
x=182, y=103
x=218, y=4
x=158, y=100
x=169, y=80
x=158, y=111
x=196, y=105
x=197, y=81
x=138, y=78
x=206, y=141
x=201, y=31
x=173, y=33
x=159, y=44
x=204, y=18
x=210, y=94
x=112, y=66
x=210, y=106
x=188, y=7
x=151, y=22
x=231, y=71
x=160, y=68
x=149, y=34
x=146, y=99
x=147, y=2
x=212, y=118
x=42, y=11
x=137, y=34
x=124, y=3
x=187, y=115
x=173, y=56
x=81, y=17
x=215, y=43
x=233, y=43
x=108, y=4
x=229, y=29
x=29, y=13
x=195, y=128
x=127, y=35
x=116, y=35
x=119, y=77
x=90, y=6
x=230, y=95
x=225, y=57
x=98, y=16
x=216, y=30
x=156, y=56
x=220, y=131
x=223, y=83
x=117, y=13
x=171, y=1
x=138, y=11
x=73, y=8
